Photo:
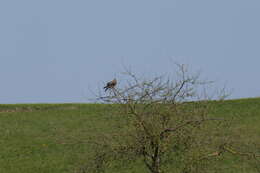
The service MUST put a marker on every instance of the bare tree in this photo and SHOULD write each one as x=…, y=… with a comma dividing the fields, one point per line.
x=164, y=122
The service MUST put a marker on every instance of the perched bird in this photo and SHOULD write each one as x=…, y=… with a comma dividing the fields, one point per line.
x=110, y=84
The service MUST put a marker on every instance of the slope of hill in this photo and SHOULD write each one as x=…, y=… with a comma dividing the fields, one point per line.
x=50, y=137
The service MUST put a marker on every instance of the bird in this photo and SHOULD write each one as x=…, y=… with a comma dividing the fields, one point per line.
x=110, y=85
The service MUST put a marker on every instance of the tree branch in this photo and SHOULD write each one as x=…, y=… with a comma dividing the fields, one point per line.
x=186, y=124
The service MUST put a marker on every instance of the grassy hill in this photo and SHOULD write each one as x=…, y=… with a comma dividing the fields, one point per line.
x=49, y=138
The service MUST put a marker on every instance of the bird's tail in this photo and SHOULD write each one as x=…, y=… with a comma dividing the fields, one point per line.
x=106, y=88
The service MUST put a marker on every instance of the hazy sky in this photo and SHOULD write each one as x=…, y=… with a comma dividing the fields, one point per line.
x=56, y=50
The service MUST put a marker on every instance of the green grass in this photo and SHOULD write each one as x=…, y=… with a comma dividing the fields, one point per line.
x=47, y=138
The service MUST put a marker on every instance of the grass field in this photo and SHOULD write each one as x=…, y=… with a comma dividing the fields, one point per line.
x=49, y=138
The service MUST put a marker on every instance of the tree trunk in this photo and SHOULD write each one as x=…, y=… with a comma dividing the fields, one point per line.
x=156, y=166
x=156, y=160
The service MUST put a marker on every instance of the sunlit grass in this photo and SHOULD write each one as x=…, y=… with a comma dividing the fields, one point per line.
x=50, y=137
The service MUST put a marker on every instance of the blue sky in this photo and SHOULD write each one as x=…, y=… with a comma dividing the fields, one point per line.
x=57, y=50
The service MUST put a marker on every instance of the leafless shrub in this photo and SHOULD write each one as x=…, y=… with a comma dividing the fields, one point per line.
x=165, y=123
